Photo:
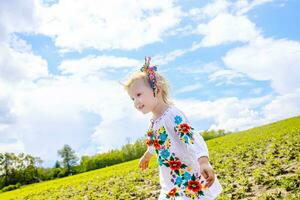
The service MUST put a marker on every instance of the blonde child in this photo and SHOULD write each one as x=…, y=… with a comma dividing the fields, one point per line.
x=182, y=154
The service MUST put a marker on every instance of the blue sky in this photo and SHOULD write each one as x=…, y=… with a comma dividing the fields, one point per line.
x=231, y=65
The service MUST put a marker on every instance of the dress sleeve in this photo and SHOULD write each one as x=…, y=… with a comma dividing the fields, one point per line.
x=193, y=140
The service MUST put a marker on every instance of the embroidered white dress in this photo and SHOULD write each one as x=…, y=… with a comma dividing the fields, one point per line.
x=178, y=147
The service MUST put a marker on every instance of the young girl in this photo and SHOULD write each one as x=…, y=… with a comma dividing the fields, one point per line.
x=182, y=154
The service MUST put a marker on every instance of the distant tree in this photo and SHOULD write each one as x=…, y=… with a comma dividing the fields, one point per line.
x=6, y=160
x=57, y=164
x=69, y=158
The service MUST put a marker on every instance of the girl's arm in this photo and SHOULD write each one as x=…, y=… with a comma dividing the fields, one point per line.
x=145, y=160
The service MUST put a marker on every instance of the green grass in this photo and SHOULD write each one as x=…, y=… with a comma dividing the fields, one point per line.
x=260, y=163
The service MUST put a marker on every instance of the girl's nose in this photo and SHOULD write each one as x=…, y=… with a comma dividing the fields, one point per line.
x=136, y=102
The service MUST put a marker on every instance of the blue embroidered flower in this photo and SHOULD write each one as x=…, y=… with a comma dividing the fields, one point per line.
x=165, y=153
x=178, y=119
x=163, y=136
x=187, y=176
x=178, y=180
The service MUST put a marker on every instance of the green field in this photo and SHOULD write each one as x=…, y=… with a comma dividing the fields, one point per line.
x=260, y=163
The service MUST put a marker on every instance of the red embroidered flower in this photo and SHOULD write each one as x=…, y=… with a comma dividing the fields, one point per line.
x=195, y=186
x=149, y=142
x=150, y=133
x=184, y=128
x=175, y=164
x=156, y=144
x=172, y=192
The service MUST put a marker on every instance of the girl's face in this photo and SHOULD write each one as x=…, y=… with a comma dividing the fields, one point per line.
x=142, y=96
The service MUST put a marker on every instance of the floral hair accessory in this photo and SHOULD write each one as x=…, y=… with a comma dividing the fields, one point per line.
x=150, y=70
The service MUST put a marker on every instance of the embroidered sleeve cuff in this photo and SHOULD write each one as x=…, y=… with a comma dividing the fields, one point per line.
x=200, y=154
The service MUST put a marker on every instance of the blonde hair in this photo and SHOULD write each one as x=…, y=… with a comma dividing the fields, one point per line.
x=161, y=83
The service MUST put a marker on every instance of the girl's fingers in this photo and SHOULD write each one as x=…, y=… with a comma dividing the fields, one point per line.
x=205, y=174
x=210, y=180
x=143, y=165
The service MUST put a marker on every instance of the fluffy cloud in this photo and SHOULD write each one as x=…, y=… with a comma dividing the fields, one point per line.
x=18, y=64
x=210, y=10
x=6, y=115
x=225, y=113
x=283, y=106
x=225, y=75
x=268, y=59
x=242, y=7
x=96, y=64
x=16, y=16
x=188, y=88
x=217, y=7
x=227, y=28
x=234, y=114
x=119, y=24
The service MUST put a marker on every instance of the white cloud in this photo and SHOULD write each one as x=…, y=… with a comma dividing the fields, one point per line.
x=216, y=7
x=234, y=114
x=268, y=59
x=225, y=75
x=118, y=24
x=206, y=68
x=6, y=114
x=226, y=113
x=242, y=7
x=283, y=106
x=95, y=64
x=16, y=16
x=170, y=56
x=210, y=10
x=15, y=146
x=20, y=63
x=226, y=28
x=188, y=88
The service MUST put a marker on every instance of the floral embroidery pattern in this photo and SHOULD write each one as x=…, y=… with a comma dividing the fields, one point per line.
x=185, y=182
x=184, y=130
x=161, y=143
x=173, y=193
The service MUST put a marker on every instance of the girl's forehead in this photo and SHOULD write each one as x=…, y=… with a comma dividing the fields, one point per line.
x=138, y=84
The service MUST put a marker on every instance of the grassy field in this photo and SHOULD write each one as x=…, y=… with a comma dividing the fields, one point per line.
x=260, y=163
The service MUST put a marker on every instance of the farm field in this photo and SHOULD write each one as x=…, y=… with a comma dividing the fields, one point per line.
x=259, y=163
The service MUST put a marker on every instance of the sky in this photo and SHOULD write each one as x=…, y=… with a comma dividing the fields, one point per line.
x=230, y=65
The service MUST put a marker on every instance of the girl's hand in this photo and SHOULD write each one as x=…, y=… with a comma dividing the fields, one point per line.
x=144, y=162
x=208, y=174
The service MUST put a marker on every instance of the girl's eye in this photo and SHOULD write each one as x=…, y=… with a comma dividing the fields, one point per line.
x=139, y=94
